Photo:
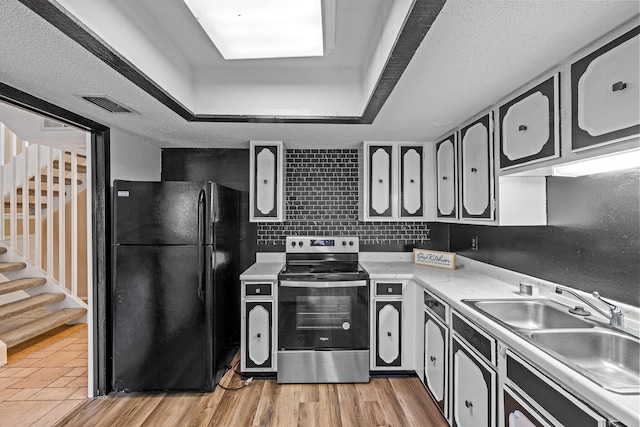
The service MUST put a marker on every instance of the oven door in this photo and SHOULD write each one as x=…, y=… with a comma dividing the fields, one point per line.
x=323, y=315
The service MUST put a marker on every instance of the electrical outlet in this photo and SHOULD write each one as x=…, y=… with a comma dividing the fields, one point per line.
x=474, y=243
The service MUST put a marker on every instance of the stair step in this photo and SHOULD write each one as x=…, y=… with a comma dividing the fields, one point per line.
x=56, y=180
x=30, y=198
x=20, y=284
x=32, y=192
x=32, y=186
x=11, y=266
x=7, y=205
x=26, y=304
x=67, y=166
x=81, y=157
x=3, y=250
x=40, y=326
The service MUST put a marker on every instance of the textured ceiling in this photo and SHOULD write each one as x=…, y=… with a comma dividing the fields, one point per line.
x=475, y=53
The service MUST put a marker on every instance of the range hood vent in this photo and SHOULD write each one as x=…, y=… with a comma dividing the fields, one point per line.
x=109, y=104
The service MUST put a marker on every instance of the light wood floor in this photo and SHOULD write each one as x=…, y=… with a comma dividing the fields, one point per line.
x=44, y=378
x=382, y=402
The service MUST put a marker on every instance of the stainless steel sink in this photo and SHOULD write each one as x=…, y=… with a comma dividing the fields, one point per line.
x=609, y=358
x=528, y=314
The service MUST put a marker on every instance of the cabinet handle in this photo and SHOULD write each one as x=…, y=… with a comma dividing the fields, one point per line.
x=474, y=170
x=444, y=178
x=432, y=358
x=388, y=334
x=618, y=86
x=468, y=404
x=265, y=181
x=258, y=335
x=380, y=181
x=390, y=290
x=412, y=181
x=522, y=128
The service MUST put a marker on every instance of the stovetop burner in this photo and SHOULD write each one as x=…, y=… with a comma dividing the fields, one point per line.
x=322, y=258
x=327, y=267
x=323, y=271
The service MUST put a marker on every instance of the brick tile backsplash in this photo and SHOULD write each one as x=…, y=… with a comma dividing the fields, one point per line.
x=321, y=188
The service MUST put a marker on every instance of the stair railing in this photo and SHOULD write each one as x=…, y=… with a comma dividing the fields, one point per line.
x=49, y=232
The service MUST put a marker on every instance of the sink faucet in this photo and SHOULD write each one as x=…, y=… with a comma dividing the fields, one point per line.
x=615, y=316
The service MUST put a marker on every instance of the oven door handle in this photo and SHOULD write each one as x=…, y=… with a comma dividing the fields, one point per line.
x=322, y=284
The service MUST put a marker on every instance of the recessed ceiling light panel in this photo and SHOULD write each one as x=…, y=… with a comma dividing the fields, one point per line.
x=251, y=29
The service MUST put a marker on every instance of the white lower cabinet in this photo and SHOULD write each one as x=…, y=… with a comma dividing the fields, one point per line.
x=388, y=340
x=436, y=350
x=517, y=413
x=387, y=325
x=257, y=341
x=474, y=385
x=436, y=364
x=545, y=399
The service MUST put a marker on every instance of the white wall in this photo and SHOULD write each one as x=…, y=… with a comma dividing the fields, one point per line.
x=134, y=158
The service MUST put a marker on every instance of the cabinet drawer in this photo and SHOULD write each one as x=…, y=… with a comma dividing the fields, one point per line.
x=436, y=306
x=388, y=289
x=258, y=289
x=550, y=398
x=482, y=342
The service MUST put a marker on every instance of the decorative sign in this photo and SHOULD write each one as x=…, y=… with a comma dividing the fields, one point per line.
x=435, y=258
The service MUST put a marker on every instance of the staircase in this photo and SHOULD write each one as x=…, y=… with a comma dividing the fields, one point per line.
x=38, y=295
x=43, y=274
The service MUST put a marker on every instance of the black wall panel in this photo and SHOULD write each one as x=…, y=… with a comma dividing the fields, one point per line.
x=228, y=167
x=591, y=242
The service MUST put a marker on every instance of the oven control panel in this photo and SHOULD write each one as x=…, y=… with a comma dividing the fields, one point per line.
x=322, y=244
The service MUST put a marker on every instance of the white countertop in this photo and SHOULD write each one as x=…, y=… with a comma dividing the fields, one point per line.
x=477, y=280
x=262, y=271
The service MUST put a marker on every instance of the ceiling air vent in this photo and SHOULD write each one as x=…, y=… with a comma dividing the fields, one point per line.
x=109, y=104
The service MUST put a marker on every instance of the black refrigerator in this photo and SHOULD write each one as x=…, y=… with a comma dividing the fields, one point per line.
x=176, y=290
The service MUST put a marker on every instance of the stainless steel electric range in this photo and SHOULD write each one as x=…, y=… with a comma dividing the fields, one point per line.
x=323, y=312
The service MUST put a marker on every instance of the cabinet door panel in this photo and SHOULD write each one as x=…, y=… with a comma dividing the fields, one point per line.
x=561, y=405
x=526, y=139
x=474, y=388
x=388, y=337
x=446, y=178
x=518, y=414
x=266, y=181
x=435, y=360
x=529, y=126
x=380, y=181
x=476, y=170
x=606, y=93
x=411, y=173
x=258, y=334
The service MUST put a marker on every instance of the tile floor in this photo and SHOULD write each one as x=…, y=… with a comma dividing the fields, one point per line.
x=44, y=382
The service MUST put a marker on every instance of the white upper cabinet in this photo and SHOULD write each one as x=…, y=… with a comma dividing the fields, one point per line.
x=605, y=93
x=411, y=181
x=529, y=125
x=392, y=181
x=266, y=181
x=476, y=169
x=468, y=188
x=447, y=178
x=380, y=181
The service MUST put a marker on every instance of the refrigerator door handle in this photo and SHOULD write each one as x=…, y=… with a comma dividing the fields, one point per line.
x=201, y=235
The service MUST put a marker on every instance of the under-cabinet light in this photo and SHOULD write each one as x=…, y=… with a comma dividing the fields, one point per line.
x=252, y=29
x=608, y=163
